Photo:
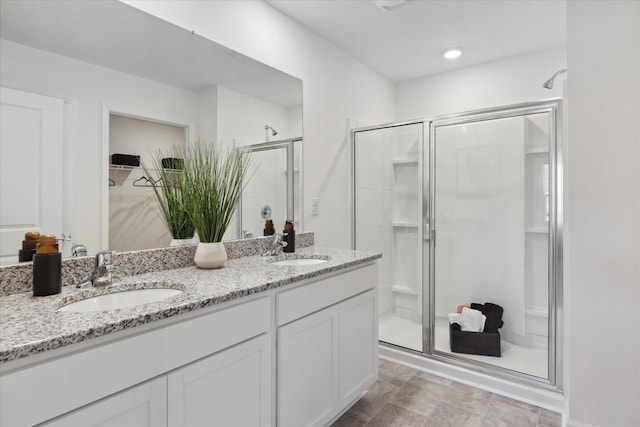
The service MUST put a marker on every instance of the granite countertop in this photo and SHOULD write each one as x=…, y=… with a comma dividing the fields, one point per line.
x=31, y=325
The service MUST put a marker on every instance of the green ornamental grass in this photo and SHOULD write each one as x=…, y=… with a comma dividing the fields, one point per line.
x=169, y=187
x=213, y=181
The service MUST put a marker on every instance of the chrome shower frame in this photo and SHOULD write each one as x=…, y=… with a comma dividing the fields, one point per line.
x=555, y=351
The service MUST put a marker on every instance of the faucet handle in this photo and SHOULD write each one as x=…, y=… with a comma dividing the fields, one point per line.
x=104, y=258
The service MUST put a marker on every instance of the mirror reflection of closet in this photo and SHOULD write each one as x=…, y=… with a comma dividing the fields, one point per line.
x=135, y=222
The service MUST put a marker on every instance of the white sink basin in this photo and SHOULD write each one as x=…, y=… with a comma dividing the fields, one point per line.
x=299, y=261
x=118, y=300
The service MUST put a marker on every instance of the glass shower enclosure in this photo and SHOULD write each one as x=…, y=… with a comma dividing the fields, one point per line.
x=466, y=209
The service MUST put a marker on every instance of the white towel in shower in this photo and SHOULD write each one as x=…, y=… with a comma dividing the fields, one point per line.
x=454, y=318
x=471, y=320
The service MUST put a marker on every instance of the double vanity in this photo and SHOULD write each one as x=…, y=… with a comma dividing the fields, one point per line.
x=287, y=340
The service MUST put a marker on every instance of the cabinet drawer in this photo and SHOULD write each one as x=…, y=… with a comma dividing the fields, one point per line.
x=305, y=299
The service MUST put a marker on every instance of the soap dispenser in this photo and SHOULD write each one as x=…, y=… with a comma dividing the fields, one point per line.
x=289, y=236
x=31, y=239
x=47, y=267
x=269, y=229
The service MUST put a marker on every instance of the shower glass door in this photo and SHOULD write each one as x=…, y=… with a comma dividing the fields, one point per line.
x=274, y=181
x=493, y=211
x=388, y=171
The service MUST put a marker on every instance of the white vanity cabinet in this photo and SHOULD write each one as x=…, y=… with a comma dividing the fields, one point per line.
x=215, y=366
x=195, y=354
x=326, y=359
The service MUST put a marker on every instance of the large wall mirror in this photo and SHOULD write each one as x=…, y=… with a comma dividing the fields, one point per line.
x=127, y=83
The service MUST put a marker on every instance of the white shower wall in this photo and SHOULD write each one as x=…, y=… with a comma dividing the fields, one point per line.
x=480, y=218
x=388, y=216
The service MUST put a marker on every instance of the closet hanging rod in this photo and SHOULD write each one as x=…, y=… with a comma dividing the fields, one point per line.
x=143, y=181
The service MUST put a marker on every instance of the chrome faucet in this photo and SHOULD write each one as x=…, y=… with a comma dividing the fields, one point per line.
x=78, y=250
x=102, y=272
x=276, y=245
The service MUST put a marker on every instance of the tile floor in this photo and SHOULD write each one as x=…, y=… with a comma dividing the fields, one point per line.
x=407, y=397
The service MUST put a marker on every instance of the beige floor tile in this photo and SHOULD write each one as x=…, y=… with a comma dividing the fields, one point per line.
x=466, y=397
x=446, y=415
x=368, y=406
x=395, y=373
x=503, y=413
x=350, y=419
x=416, y=398
x=394, y=416
x=548, y=418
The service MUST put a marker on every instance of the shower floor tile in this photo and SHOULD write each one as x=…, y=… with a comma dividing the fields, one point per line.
x=408, y=334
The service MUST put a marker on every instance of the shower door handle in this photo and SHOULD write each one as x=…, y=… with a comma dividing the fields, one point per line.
x=429, y=233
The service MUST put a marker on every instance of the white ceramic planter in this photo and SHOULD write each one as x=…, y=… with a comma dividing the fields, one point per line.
x=210, y=255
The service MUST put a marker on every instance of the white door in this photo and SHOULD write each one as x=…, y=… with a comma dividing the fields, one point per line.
x=308, y=370
x=31, y=143
x=358, y=346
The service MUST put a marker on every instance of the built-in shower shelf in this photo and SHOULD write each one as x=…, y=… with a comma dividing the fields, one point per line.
x=541, y=150
x=403, y=289
x=404, y=161
x=539, y=230
x=537, y=311
x=404, y=224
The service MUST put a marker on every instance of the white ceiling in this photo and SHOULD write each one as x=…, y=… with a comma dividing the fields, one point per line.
x=407, y=42
x=117, y=36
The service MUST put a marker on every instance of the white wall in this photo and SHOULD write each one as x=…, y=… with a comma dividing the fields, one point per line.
x=480, y=218
x=509, y=81
x=335, y=85
x=602, y=277
x=242, y=118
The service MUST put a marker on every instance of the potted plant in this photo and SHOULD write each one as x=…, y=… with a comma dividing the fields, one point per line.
x=213, y=181
x=168, y=183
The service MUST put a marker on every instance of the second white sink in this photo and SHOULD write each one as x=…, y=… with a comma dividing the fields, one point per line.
x=121, y=299
x=299, y=261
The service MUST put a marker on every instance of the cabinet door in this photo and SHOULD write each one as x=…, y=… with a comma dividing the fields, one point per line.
x=358, y=346
x=308, y=370
x=143, y=405
x=229, y=388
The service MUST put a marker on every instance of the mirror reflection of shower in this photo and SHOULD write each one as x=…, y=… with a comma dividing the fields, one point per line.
x=549, y=83
x=266, y=132
x=273, y=192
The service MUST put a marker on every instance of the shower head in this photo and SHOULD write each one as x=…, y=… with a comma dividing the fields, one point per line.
x=549, y=83
x=273, y=131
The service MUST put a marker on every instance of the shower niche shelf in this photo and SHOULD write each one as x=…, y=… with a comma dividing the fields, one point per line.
x=404, y=224
x=408, y=161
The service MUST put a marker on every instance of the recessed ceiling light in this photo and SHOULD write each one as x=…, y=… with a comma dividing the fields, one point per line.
x=452, y=53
